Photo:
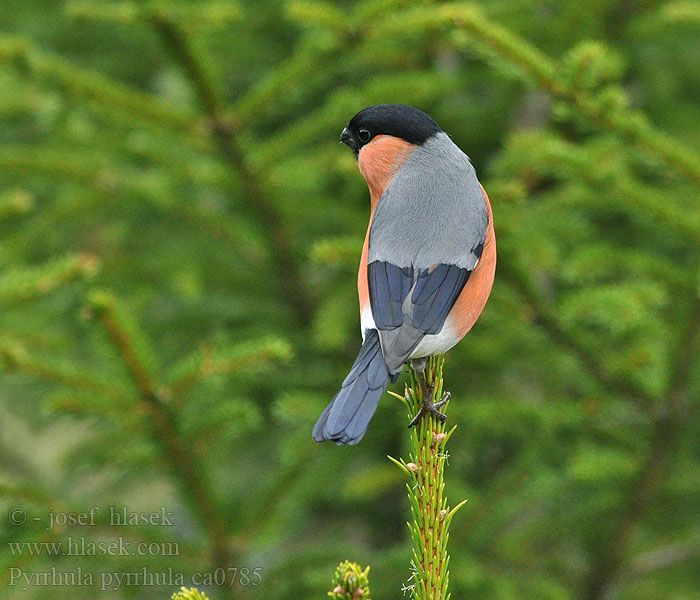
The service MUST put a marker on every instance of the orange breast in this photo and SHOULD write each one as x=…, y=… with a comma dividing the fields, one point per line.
x=473, y=298
x=378, y=161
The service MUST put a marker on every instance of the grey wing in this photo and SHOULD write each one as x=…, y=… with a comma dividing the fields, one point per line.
x=424, y=296
x=426, y=237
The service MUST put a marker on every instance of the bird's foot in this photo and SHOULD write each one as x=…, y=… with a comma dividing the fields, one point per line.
x=428, y=407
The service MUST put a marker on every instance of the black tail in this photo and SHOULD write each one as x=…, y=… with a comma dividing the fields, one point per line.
x=347, y=416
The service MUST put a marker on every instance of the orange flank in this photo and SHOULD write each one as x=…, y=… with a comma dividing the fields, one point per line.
x=362, y=287
x=472, y=300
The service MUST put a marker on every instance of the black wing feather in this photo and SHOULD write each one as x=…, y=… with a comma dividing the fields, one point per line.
x=388, y=287
x=434, y=293
x=428, y=283
x=436, y=296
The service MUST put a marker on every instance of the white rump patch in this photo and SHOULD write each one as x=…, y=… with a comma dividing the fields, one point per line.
x=366, y=321
x=436, y=343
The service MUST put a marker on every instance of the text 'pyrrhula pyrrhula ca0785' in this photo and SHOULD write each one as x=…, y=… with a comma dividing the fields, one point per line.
x=427, y=264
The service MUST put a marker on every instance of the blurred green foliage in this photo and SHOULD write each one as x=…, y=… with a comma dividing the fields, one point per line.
x=180, y=235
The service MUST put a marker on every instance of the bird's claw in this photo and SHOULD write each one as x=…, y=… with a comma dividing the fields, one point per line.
x=428, y=407
x=445, y=397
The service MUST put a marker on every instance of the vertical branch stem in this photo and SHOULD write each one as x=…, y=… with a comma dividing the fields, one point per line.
x=426, y=492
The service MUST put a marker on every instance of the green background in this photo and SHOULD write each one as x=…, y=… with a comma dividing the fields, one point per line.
x=179, y=238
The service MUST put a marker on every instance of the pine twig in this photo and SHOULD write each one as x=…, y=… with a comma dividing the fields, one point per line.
x=545, y=73
x=548, y=154
x=107, y=177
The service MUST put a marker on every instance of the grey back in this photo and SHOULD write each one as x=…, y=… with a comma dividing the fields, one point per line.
x=432, y=212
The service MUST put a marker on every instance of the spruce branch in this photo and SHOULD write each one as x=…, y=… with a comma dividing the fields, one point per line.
x=92, y=86
x=129, y=342
x=23, y=283
x=467, y=26
x=256, y=195
x=205, y=362
x=316, y=124
x=107, y=177
x=207, y=15
x=606, y=567
x=317, y=60
x=431, y=515
x=547, y=74
x=548, y=320
x=80, y=169
x=309, y=59
x=14, y=356
x=536, y=154
x=104, y=174
x=15, y=201
x=183, y=461
x=83, y=404
x=418, y=86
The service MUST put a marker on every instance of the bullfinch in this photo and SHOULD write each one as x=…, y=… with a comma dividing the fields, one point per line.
x=427, y=263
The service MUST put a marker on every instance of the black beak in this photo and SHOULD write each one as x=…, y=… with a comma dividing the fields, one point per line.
x=347, y=139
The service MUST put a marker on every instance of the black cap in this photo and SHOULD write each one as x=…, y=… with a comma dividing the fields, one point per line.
x=399, y=120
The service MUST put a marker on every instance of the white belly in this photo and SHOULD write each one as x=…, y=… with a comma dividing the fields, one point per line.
x=429, y=345
x=366, y=321
x=437, y=343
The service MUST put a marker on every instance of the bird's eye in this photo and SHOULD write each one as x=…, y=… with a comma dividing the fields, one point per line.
x=364, y=135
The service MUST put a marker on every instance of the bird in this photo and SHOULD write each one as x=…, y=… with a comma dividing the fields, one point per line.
x=427, y=263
